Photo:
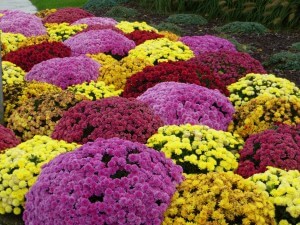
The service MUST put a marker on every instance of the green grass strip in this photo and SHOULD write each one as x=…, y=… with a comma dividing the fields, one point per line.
x=51, y=4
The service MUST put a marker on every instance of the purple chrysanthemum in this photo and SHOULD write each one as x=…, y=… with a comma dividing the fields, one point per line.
x=64, y=72
x=103, y=21
x=180, y=103
x=108, y=182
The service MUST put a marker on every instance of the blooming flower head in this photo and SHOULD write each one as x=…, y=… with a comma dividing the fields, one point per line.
x=103, y=21
x=12, y=74
x=109, y=182
x=106, y=118
x=283, y=188
x=219, y=198
x=180, y=103
x=100, y=41
x=20, y=167
x=128, y=27
x=11, y=42
x=7, y=139
x=198, y=149
x=64, y=72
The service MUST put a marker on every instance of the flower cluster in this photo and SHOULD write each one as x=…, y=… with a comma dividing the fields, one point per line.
x=198, y=149
x=34, y=40
x=110, y=117
x=44, y=13
x=64, y=72
x=100, y=41
x=110, y=181
x=67, y=15
x=219, y=198
x=63, y=31
x=103, y=59
x=179, y=103
x=278, y=147
x=7, y=139
x=38, y=115
x=20, y=166
x=162, y=50
x=140, y=36
x=117, y=72
x=100, y=27
x=167, y=71
x=169, y=35
x=263, y=112
x=27, y=57
x=94, y=90
x=230, y=66
x=22, y=23
x=207, y=43
x=128, y=27
x=11, y=42
x=105, y=22
x=12, y=74
x=253, y=85
x=283, y=188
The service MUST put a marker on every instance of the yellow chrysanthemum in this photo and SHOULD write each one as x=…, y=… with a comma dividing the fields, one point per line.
x=128, y=27
x=11, y=42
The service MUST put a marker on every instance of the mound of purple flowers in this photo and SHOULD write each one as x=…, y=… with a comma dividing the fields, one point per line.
x=23, y=23
x=64, y=72
x=180, y=103
x=7, y=138
x=106, y=182
x=100, y=41
x=103, y=21
x=106, y=118
x=207, y=43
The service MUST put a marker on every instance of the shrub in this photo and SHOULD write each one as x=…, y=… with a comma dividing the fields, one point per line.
x=140, y=36
x=103, y=21
x=161, y=50
x=229, y=66
x=109, y=181
x=187, y=19
x=44, y=13
x=27, y=57
x=278, y=147
x=65, y=72
x=296, y=46
x=238, y=27
x=67, y=15
x=100, y=41
x=253, y=85
x=12, y=74
x=128, y=27
x=20, y=166
x=219, y=198
x=95, y=5
x=121, y=11
x=38, y=115
x=263, y=112
x=207, y=43
x=198, y=149
x=7, y=139
x=106, y=118
x=179, y=103
x=11, y=42
x=284, y=60
x=34, y=40
x=283, y=189
x=14, y=22
x=169, y=27
x=63, y=31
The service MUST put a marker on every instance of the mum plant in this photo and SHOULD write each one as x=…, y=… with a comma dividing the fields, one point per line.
x=38, y=115
x=229, y=66
x=283, y=190
x=7, y=139
x=207, y=43
x=110, y=117
x=100, y=41
x=140, y=36
x=11, y=42
x=128, y=27
x=179, y=103
x=63, y=31
x=197, y=148
x=219, y=198
x=277, y=147
x=64, y=72
x=102, y=21
x=253, y=85
x=20, y=166
x=162, y=50
x=109, y=182
x=262, y=112
x=27, y=57
x=12, y=74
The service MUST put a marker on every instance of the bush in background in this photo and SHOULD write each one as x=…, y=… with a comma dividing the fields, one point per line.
x=187, y=19
x=243, y=28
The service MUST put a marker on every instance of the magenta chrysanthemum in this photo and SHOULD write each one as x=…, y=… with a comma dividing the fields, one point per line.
x=207, y=43
x=7, y=138
x=105, y=182
x=100, y=41
x=103, y=21
x=180, y=103
x=64, y=72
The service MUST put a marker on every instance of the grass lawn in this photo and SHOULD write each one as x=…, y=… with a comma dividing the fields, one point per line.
x=50, y=4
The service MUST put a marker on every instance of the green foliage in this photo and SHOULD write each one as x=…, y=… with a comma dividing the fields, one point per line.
x=51, y=4
x=93, y=5
x=243, y=28
x=187, y=19
x=285, y=60
x=121, y=11
x=169, y=27
x=296, y=47
x=248, y=48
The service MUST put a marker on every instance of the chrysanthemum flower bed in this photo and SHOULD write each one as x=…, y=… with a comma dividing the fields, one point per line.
x=195, y=106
